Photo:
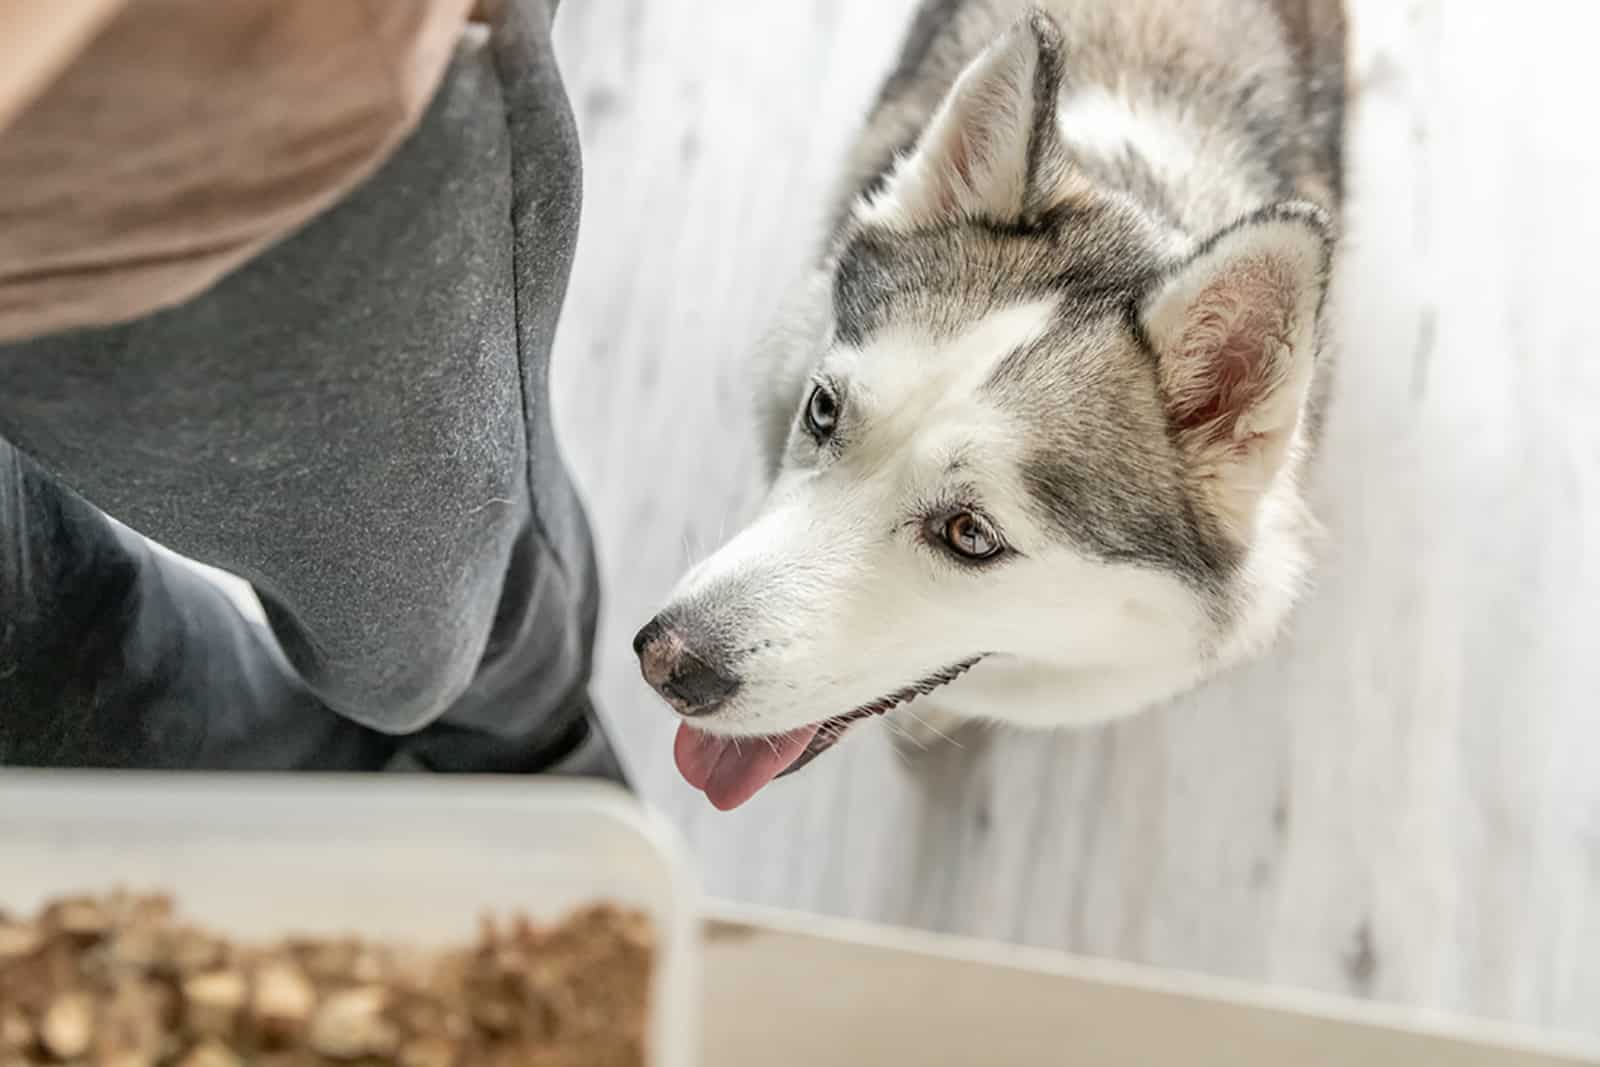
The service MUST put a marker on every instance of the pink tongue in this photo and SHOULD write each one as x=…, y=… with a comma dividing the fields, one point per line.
x=730, y=771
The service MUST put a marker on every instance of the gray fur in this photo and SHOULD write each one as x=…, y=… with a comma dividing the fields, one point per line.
x=1267, y=76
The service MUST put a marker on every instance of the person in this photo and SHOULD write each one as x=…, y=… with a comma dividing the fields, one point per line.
x=278, y=286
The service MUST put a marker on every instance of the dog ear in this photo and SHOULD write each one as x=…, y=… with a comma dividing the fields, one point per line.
x=992, y=150
x=1234, y=331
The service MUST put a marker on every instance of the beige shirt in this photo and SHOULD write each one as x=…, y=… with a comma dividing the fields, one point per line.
x=148, y=147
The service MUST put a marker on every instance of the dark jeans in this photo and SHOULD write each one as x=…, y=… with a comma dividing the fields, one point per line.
x=357, y=423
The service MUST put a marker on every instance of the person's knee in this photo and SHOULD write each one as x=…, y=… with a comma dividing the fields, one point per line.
x=412, y=703
x=396, y=677
x=392, y=638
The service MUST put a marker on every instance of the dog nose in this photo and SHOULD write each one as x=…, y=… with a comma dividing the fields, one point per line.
x=690, y=684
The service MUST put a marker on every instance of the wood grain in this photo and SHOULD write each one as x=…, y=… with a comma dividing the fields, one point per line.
x=1403, y=802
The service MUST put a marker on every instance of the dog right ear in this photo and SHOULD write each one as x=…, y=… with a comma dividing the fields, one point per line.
x=992, y=150
x=1234, y=334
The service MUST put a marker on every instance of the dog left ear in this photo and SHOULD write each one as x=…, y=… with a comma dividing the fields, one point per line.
x=1235, y=335
x=992, y=150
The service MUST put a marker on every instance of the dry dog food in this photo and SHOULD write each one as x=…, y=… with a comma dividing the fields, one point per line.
x=122, y=981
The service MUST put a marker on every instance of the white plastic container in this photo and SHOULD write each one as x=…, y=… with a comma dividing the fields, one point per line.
x=414, y=858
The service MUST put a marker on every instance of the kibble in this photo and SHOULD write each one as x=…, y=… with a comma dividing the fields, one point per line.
x=68, y=1027
x=81, y=916
x=16, y=1033
x=213, y=1001
x=350, y=1024
x=284, y=1000
x=18, y=939
x=428, y=1052
x=119, y=981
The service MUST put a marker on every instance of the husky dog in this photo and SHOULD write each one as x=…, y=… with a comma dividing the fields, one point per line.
x=1038, y=416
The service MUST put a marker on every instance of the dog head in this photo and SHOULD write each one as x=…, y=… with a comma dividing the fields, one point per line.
x=1039, y=426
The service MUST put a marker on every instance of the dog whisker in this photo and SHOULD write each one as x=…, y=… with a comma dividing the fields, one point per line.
x=901, y=732
x=946, y=738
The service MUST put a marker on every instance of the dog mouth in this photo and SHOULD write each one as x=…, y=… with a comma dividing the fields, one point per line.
x=731, y=770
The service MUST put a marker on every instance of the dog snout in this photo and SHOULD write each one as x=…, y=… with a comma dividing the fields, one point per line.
x=683, y=678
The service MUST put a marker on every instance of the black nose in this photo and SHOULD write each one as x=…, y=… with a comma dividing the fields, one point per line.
x=651, y=630
x=690, y=684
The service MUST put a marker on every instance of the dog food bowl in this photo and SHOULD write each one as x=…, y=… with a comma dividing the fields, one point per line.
x=406, y=858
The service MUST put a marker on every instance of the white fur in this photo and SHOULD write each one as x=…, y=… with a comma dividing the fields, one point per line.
x=1094, y=121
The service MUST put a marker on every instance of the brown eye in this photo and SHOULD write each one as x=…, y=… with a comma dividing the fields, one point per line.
x=822, y=412
x=970, y=537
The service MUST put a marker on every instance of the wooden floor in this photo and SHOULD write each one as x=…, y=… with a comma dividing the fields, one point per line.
x=1404, y=802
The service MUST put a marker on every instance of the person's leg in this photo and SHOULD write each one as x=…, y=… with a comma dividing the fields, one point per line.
x=356, y=423
x=111, y=655
x=504, y=721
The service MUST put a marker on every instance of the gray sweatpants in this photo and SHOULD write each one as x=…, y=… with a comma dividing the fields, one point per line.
x=357, y=423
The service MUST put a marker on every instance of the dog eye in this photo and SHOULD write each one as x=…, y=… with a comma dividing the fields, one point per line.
x=971, y=537
x=822, y=412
